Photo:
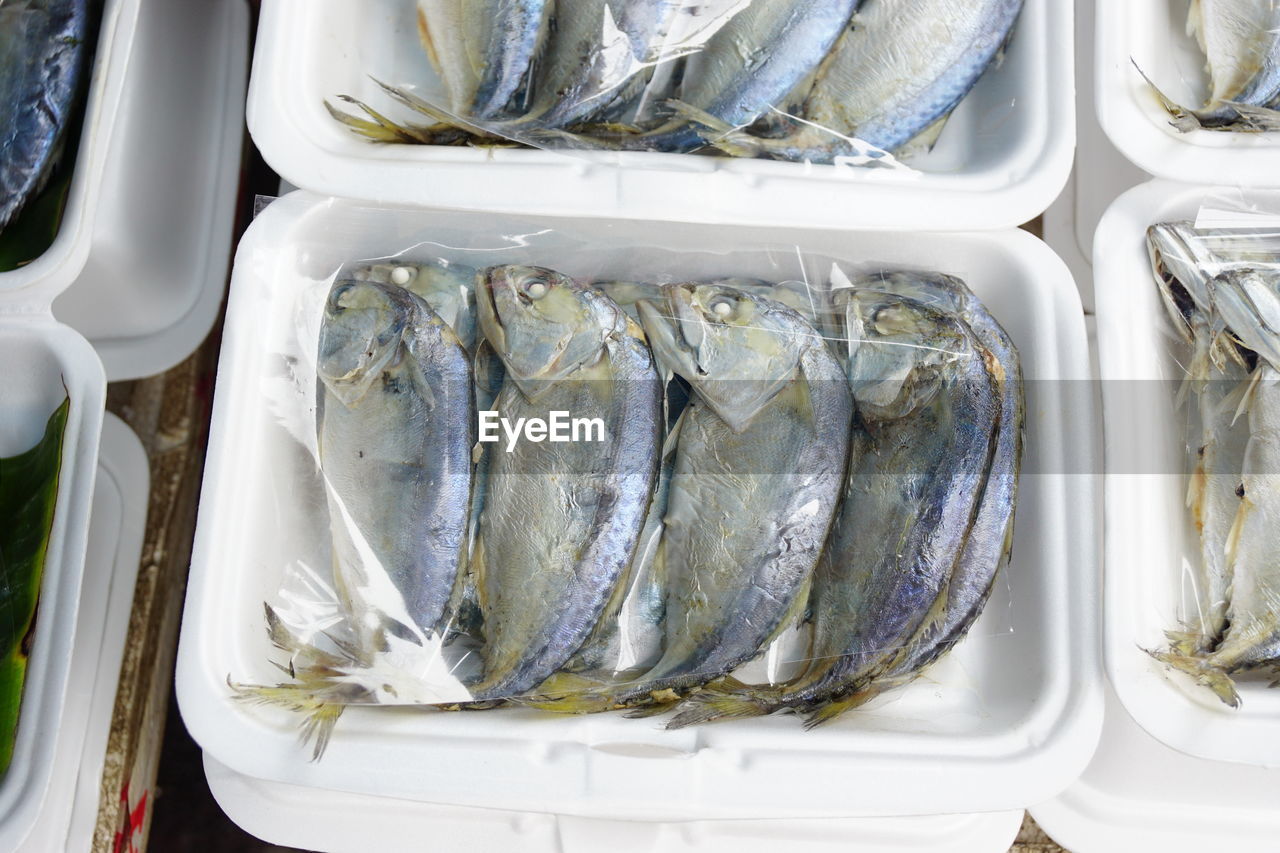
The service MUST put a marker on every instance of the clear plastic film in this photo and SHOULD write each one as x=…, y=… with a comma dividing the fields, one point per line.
x=579, y=475
x=854, y=82
x=1217, y=71
x=1219, y=280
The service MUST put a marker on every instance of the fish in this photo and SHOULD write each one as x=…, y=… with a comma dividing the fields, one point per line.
x=1241, y=43
x=395, y=418
x=515, y=32
x=451, y=32
x=1249, y=302
x=449, y=288
x=28, y=501
x=561, y=522
x=759, y=462
x=1184, y=260
x=893, y=78
x=922, y=445
x=44, y=57
x=989, y=544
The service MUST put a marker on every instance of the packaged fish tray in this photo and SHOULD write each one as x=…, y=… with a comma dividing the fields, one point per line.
x=1185, y=275
x=613, y=618
x=654, y=110
x=52, y=397
x=1188, y=91
x=337, y=822
x=1139, y=791
x=69, y=816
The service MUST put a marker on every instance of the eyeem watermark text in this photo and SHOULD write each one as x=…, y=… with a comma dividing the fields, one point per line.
x=558, y=427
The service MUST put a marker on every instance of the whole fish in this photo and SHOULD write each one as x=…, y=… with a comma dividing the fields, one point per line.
x=893, y=78
x=923, y=443
x=759, y=461
x=1249, y=301
x=1241, y=43
x=44, y=57
x=561, y=522
x=449, y=288
x=396, y=422
x=1184, y=260
x=990, y=540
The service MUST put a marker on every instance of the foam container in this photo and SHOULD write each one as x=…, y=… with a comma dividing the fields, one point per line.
x=1148, y=539
x=324, y=821
x=1137, y=793
x=42, y=357
x=1010, y=717
x=1003, y=158
x=69, y=816
x=1151, y=34
x=152, y=245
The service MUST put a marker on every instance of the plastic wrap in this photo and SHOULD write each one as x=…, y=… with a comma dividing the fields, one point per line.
x=580, y=477
x=1220, y=284
x=822, y=81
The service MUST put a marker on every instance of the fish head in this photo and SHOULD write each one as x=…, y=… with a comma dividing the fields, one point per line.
x=736, y=349
x=945, y=292
x=542, y=324
x=1249, y=302
x=362, y=333
x=447, y=287
x=899, y=351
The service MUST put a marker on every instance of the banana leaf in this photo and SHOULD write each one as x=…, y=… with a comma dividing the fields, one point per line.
x=28, y=493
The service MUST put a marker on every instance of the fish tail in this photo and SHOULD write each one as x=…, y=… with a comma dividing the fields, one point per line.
x=380, y=129
x=1183, y=119
x=1185, y=643
x=572, y=693
x=321, y=716
x=709, y=706
x=1203, y=672
x=828, y=711
x=1255, y=119
x=718, y=132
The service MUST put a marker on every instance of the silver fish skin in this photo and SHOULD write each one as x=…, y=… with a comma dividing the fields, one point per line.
x=44, y=54
x=449, y=288
x=989, y=543
x=750, y=65
x=1249, y=301
x=561, y=522
x=752, y=496
x=1241, y=42
x=452, y=32
x=922, y=444
x=894, y=76
x=516, y=33
x=396, y=423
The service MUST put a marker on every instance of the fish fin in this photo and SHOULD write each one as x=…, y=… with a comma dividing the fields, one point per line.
x=1185, y=643
x=1202, y=672
x=924, y=141
x=655, y=709
x=1183, y=119
x=1246, y=391
x=321, y=715
x=1254, y=119
x=380, y=129
x=1237, y=527
x=828, y=711
x=572, y=693
x=709, y=705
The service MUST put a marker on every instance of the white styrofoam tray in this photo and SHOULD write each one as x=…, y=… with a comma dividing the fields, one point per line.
x=1151, y=35
x=334, y=822
x=156, y=255
x=1003, y=158
x=1138, y=794
x=58, y=266
x=1149, y=542
x=116, y=529
x=41, y=358
x=1009, y=718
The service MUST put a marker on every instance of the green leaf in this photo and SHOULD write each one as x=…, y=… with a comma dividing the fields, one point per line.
x=28, y=494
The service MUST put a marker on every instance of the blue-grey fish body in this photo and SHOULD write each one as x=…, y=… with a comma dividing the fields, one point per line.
x=756, y=479
x=396, y=420
x=752, y=64
x=561, y=522
x=896, y=73
x=516, y=31
x=44, y=54
x=989, y=542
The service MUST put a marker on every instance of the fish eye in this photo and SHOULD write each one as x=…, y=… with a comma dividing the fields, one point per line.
x=721, y=306
x=403, y=275
x=536, y=288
